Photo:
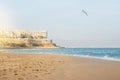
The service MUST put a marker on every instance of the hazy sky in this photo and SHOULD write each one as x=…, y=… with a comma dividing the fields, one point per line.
x=64, y=20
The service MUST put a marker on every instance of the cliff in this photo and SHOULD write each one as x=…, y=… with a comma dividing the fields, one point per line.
x=16, y=38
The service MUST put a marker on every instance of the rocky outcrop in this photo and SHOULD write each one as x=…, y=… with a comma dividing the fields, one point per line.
x=18, y=38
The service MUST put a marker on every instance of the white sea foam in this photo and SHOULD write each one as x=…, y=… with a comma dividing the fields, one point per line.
x=88, y=56
x=37, y=51
x=102, y=58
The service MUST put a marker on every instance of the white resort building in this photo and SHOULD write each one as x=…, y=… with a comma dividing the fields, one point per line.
x=17, y=38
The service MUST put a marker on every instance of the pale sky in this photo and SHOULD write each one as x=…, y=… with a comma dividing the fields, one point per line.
x=64, y=20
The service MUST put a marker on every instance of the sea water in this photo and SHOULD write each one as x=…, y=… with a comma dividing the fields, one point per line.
x=99, y=53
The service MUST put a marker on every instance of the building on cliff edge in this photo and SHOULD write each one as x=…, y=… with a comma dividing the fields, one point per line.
x=17, y=38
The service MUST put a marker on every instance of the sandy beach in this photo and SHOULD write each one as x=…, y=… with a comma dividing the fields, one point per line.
x=56, y=67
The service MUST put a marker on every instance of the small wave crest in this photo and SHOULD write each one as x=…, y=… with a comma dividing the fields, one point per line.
x=106, y=57
x=70, y=52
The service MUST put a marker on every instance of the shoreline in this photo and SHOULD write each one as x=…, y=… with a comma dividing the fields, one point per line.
x=28, y=66
x=74, y=55
x=29, y=47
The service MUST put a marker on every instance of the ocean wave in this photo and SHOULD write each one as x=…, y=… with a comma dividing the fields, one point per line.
x=108, y=54
x=95, y=57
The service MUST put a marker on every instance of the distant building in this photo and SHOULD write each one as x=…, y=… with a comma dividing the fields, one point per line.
x=28, y=38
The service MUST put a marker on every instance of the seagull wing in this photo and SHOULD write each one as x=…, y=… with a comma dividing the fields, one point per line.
x=85, y=12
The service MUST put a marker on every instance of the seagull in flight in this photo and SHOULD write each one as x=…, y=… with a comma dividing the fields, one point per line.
x=83, y=11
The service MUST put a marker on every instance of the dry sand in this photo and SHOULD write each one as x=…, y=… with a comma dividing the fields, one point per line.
x=56, y=67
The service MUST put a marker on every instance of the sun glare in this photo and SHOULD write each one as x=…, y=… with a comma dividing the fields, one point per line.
x=6, y=17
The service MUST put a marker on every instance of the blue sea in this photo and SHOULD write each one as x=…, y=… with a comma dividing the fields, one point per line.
x=99, y=53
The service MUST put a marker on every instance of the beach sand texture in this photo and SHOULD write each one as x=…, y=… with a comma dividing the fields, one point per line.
x=56, y=67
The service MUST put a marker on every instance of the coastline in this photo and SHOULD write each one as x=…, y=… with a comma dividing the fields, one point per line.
x=14, y=66
x=28, y=47
x=52, y=50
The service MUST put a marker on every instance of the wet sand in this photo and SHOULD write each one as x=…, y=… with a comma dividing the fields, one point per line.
x=56, y=67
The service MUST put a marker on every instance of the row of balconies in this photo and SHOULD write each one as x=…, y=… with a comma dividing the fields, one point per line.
x=13, y=34
x=25, y=40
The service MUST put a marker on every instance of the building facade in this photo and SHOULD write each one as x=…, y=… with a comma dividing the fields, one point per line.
x=25, y=38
